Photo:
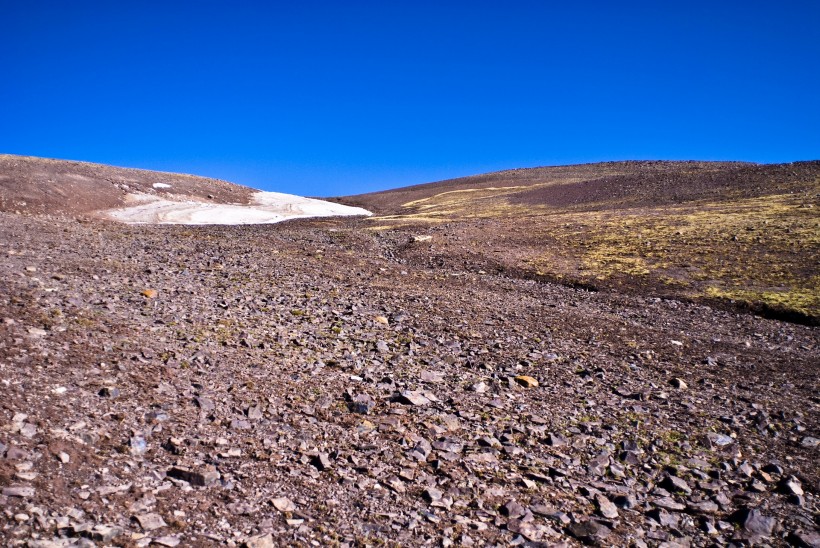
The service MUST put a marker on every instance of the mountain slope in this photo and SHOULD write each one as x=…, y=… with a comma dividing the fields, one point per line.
x=299, y=385
x=348, y=382
x=715, y=231
x=40, y=185
x=57, y=187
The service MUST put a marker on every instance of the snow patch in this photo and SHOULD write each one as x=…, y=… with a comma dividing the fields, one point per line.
x=265, y=208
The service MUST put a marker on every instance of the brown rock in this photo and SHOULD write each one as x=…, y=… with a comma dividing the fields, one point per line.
x=526, y=381
x=206, y=476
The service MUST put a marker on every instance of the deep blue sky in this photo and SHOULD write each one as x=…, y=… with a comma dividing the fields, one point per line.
x=330, y=98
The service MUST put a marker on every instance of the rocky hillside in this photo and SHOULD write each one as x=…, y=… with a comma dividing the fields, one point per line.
x=30, y=185
x=345, y=382
x=81, y=190
x=743, y=236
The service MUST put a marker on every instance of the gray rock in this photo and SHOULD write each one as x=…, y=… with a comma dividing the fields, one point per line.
x=556, y=440
x=431, y=494
x=283, y=504
x=361, y=403
x=16, y=453
x=606, y=507
x=668, y=503
x=676, y=485
x=542, y=509
x=239, y=424
x=448, y=446
x=678, y=383
x=109, y=392
x=664, y=518
x=717, y=440
x=255, y=412
x=259, y=541
x=589, y=531
x=321, y=461
x=138, y=445
x=810, y=442
x=170, y=541
x=105, y=533
x=22, y=492
x=512, y=509
x=754, y=524
x=804, y=539
x=151, y=521
x=746, y=469
x=481, y=458
x=529, y=530
x=411, y=397
x=206, y=404
x=434, y=377
x=703, y=507
x=791, y=486
x=28, y=430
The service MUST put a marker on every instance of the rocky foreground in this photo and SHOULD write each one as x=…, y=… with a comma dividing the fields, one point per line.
x=304, y=384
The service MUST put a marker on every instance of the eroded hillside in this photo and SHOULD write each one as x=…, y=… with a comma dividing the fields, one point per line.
x=357, y=382
x=739, y=234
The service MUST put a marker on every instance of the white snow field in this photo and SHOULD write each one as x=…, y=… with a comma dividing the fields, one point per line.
x=265, y=208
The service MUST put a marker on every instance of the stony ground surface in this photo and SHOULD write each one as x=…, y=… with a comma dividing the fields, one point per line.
x=725, y=234
x=314, y=383
x=31, y=185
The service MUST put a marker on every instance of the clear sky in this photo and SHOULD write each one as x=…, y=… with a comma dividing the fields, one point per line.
x=331, y=98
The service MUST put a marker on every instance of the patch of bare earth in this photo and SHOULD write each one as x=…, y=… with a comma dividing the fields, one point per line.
x=37, y=186
x=417, y=378
x=315, y=382
x=741, y=236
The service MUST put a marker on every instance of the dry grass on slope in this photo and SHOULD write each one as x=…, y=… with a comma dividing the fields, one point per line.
x=746, y=235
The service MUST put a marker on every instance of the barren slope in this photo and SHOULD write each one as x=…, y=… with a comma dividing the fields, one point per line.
x=42, y=186
x=741, y=234
x=57, y=187
x=299, y=383
x=345, y=382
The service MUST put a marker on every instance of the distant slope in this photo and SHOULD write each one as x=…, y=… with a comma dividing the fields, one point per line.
x=56, y=187
x=608, y=183
x=725, y=232
x=40, y=185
